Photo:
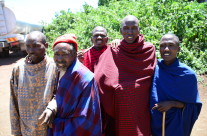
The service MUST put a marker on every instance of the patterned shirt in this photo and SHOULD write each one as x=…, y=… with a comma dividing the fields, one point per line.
x=32, y=88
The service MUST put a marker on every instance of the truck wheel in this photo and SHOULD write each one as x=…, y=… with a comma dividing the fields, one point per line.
x=5, y=52
x=24, y=53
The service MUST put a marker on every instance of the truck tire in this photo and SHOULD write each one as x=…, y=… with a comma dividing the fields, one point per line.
x=5, y=52
x=24, y=53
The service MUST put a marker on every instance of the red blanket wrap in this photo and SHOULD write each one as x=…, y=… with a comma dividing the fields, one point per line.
x=91, y=56
x=124, y=75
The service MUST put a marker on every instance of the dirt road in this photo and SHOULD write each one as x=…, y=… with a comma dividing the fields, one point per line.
x=6, y=65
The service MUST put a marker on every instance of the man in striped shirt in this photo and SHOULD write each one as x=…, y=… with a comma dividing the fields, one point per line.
x=91, y=55
x=124, y=75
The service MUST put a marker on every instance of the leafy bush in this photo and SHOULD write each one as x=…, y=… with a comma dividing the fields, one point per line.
x=157, y=17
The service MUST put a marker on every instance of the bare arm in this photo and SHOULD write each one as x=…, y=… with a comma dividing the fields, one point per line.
x=115, y=43
x=167, y=105
x=48, y=115
x=80, y=55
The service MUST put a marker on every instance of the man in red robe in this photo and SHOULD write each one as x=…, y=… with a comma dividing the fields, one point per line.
x=124, y=75
x=91, y=55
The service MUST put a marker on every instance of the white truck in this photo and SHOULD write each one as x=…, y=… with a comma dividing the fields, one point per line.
x=13, y=31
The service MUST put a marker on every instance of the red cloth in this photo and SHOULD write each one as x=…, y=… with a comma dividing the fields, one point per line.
x=66, y=38
x=91, y=56
x=124, y=75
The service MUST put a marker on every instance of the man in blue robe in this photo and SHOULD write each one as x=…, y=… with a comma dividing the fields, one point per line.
x=78, y=106
x=174, y=91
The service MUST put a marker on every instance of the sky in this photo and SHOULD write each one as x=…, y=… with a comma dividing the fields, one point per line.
x=35, y=11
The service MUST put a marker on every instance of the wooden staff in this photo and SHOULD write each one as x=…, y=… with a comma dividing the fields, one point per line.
x=163, y=123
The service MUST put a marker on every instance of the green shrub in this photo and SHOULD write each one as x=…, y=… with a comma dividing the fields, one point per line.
x=157, y=17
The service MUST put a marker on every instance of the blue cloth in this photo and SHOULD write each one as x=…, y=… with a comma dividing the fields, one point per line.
x=78, y=109
x=176, y=82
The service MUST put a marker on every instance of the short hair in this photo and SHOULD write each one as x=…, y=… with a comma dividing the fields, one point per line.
x=99, y=27
x=129, y=17
x=37, y=35
x=172, y=35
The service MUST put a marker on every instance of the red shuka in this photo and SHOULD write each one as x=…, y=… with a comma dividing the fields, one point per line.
x=91, y=56
x=124, y=76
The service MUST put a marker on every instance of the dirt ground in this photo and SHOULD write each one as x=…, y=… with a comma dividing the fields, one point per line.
x=6, y=65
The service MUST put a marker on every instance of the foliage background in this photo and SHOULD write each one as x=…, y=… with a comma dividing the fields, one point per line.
x=188, y=20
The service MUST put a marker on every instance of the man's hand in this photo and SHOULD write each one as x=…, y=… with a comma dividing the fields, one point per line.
x=115, y=43
x=166, y=105
x=163, y=106
x=47, y=117
x=80, y=55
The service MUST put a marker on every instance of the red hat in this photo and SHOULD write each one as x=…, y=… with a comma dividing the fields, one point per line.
x=66, y=38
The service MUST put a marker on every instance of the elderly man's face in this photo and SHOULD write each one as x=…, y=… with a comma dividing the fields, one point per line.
x=99, y=38
x=130, y=30
x=35, y=49
x=63, y=56
x=169, y=49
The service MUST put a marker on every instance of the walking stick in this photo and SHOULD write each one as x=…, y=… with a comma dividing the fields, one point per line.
x=163, y=123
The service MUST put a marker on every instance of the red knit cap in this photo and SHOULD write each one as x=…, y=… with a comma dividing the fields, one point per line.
x=66, y=38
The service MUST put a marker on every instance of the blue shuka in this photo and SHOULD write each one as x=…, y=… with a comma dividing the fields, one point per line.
x=176, y=82
x=78, y=109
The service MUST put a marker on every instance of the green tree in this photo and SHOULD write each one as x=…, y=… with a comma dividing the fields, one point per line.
x=105, y=2
x=157, y=17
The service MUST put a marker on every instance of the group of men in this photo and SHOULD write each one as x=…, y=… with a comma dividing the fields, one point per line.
x=119, y=90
